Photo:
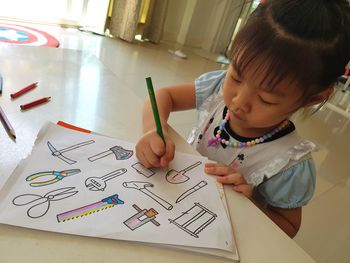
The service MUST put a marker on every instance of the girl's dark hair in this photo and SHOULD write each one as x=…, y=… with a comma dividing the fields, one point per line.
x=304, y=41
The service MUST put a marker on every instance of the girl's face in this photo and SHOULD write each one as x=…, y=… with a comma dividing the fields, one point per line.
x=253, y=110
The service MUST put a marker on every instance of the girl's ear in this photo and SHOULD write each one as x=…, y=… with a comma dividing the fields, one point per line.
x=320, y=97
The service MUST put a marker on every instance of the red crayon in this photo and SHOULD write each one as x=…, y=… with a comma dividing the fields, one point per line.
x=35, y=103
x=24, y=90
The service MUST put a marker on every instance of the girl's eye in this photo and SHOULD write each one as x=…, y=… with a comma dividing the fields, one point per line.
x=266, y=102
x=234, y=79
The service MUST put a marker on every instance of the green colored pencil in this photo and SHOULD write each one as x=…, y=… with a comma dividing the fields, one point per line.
x=152, y=98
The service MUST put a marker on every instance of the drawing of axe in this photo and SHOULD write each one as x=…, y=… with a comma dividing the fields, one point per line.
x=141, y=186
x=119, y=152
x=59, y=153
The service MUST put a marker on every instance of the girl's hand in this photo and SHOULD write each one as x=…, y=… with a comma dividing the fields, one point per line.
x=152, y=152
x=227, y=175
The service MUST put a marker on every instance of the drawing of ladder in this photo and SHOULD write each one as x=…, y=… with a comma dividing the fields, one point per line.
x=194, y=220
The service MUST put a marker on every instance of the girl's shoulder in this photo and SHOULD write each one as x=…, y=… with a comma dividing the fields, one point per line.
x=207, y=84
x=211, y=76
x=266, y=160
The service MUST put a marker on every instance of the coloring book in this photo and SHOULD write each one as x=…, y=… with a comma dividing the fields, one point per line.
x=92, y=185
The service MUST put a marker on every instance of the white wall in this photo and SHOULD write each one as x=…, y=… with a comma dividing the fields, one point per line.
x=174, y=18
x=67, y=12
x=203, y=24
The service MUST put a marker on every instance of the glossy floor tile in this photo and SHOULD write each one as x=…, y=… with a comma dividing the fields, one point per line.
x=325, y=231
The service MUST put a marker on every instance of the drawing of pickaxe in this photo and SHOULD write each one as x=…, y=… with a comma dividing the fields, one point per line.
x=141, y=186
x=119, y=152
x=59, y=153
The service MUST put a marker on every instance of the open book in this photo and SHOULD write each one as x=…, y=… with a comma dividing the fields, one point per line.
x=92, y=185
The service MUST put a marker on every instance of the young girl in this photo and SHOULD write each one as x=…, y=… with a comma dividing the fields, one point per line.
x=287, y=57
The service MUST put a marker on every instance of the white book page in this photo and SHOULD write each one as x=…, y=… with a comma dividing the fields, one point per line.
x=92, y=185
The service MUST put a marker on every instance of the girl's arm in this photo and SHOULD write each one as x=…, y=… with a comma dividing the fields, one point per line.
x=150, y=149
x=288, y=220
x=169, y=99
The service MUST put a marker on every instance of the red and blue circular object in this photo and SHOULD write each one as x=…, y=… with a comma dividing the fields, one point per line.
x=22, y=35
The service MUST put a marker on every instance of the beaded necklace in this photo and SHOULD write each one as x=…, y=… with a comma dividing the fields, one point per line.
x=214, y=141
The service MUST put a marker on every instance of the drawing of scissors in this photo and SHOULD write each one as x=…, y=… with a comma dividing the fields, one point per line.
x=41, y=204
x=57, y=176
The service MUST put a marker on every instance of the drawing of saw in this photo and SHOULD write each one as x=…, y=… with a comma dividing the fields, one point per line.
x=59, y=153
x=105, y=203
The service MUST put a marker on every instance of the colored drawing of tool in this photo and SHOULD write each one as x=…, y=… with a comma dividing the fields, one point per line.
x=142, y=186
x=41, y=204
x=99, y=183
x=178, y=177
x=194, y=220
x=59, y=153
x=56, y=176
x=190, y=191
x=142, y=217
x=105, y=203
x=119, y=152
x=141, y=169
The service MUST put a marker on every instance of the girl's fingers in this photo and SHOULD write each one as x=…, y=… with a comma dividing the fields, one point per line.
x=164, y=162
x=158, y=147
x=140, y=147
x=244, y=189
x=234, y=178
x=217, y=169
x=151, y=157
x=152, y=152
x=169, y=154
x=169, y=150
x=144, y=161
x=227, y=175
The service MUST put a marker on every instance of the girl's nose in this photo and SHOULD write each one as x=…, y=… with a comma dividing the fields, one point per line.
x=242, y=101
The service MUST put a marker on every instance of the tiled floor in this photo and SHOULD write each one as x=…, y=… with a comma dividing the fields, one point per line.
x=325, y=231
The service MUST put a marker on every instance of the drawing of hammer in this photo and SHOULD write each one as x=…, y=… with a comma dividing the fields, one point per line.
x=141, y=186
